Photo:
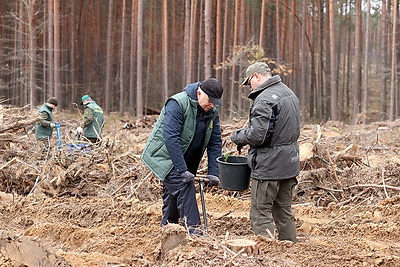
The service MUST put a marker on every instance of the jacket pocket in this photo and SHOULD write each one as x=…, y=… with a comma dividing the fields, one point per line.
x=252, y=158
x=264, y=159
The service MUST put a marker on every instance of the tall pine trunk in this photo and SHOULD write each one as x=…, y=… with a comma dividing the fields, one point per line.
x=384, y=63
x=218, y=38
x=122, y=62
x=139, y=86
x=165, y=48
x=366, y=62
x=278, y=31
x=333, y=104
x=357, y=63
x=132, y=61
x=393, y=84
x=261, y=39
x=74, y=94
x=207, y=40
x=57, y=54
x=32, y=53
x=50, y=49
x=186, y=42
x=303, y=53
x=109, y=61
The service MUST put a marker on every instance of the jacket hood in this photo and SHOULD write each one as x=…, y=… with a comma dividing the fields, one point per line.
x=191, y=90
x=271, y=81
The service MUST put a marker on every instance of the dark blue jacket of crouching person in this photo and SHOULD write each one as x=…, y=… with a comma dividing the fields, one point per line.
x=187, y=126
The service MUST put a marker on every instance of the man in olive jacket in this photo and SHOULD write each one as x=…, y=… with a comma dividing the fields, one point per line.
x=44, y=127
x=272, y=133
x=93, y=120
x=187, y=126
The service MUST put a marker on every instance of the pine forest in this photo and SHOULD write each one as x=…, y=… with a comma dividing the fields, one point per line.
x=339, y=56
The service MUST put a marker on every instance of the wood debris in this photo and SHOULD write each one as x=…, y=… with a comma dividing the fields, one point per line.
x=336, y=165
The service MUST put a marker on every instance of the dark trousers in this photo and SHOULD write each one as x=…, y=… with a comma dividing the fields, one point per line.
x=94, y=140
x=271, y=206
x=44, y=143
x=179, y=202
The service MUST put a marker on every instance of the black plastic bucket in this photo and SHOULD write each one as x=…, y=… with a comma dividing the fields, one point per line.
x=234, y=173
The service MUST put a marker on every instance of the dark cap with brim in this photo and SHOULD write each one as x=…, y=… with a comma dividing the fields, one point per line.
x=258, y=67
x=213, y=88
x=216, y=101
x=53, y=100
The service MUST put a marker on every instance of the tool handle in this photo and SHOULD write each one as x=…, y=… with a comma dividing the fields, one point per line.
x=203, y=203
x=58, y=133
x=201, y=179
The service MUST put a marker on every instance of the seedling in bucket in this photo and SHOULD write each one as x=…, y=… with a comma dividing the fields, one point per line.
x=226, y=157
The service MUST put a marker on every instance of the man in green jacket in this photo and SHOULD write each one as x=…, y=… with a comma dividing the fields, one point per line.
x=44, y=127
x=272, y=133
x=187, y=126
x=93, y=120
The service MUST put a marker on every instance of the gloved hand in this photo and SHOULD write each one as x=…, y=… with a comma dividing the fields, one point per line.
x=52, y=125
x=212, y=180
x=187, y=177
x=79, y=130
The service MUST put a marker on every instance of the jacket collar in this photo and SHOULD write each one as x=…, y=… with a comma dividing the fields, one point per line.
x=271, y=81
x=50, y=108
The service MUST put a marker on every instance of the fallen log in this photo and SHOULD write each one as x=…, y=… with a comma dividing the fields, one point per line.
x=19, y=124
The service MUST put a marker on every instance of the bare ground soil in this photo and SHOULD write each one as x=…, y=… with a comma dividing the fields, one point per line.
x=103, y=207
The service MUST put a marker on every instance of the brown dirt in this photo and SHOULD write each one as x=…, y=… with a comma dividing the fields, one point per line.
x=102, y=208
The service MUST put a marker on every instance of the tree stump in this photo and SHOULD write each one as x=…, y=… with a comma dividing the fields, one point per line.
x=26, y=251
x=173, y=235
x=245, y=245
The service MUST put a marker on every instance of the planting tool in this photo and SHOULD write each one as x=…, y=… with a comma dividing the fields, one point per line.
x=58, y=132
x=201, y=181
